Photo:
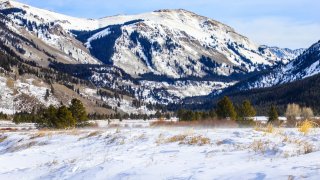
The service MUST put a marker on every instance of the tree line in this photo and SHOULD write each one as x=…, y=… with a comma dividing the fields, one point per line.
x=56, y=117
x=226, y=110
x=243, y=113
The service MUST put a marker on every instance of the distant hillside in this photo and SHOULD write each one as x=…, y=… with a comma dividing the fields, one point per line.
x=305, y=92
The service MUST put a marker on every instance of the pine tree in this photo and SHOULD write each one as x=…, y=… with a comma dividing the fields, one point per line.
x=273, y=115
x=46, y=96
x=52, y=89
x=78, y=111
x=158, y=115
x=246, y=110
x=48, y=118
x=225, y=109
x=64, y=118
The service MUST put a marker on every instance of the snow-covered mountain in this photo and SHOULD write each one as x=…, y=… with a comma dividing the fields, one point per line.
x=305, y=65
x=283, y=55
x=40, y=36
x=168, y=54
x=175, y=43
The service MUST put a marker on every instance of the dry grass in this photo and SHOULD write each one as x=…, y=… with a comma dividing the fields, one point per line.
x=40, y=134
x=306, y=126
x=203, y=123
x=197, y=140
x=72, y=132
x=176, y=138
x=91, y=134
x=52, y=163
x=92, y=125
x=185, y=139
x=307, y=148
x=304, y=147
x=268, y=128
x=22, y=146
x=259, y=146
x=3, y=138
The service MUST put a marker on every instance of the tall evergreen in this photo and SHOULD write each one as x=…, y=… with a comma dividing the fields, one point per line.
x=246, y=110
x=52, y=89
x=48, y=118
x=64, y=118
x=78, y=111
x=273, y=114
x=46, y=96
x=225, y=109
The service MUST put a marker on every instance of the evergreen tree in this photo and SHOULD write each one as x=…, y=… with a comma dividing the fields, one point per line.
x=246, y=110
x=273, y=115
x=158, y=115
x=52, y=89
x=212, y=114
x=225, y=109
x=64, y=118
x=48, y=118
x=78, y=111
x=46, y=96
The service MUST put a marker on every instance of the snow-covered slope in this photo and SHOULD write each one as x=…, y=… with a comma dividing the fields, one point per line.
x=283, y=55
x=176, y=43
x=41, y=16
x=160, y=153
x=305, y=65
x=44, y=35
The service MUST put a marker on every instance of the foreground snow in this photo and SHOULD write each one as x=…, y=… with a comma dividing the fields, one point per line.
x=159, y=153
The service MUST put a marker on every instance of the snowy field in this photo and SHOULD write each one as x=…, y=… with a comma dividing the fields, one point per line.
x=160, y=153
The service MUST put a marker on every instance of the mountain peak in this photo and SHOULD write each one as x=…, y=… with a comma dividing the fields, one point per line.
x=173, y=10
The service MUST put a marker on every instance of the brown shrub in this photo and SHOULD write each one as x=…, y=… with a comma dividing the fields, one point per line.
x=196, y=140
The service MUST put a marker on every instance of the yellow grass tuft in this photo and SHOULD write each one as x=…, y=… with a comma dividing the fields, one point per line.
x=268, y=129
x=176, y=138
x=306, y=126
x=197, y=140
x=185, y=139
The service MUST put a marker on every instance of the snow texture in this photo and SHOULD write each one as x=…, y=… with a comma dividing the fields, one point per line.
x=153, y=153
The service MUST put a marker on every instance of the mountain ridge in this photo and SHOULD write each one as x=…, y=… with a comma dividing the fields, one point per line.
x=168, y=54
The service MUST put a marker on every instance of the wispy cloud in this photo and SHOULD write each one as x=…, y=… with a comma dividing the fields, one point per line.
x=294, y=23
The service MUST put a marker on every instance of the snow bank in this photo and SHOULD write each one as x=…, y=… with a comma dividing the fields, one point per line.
x=159, y=153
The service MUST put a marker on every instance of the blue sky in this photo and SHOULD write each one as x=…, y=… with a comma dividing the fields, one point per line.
x=284, y=23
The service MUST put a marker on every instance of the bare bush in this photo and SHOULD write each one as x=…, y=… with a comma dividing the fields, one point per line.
x=307, y=113
x=293, y=111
